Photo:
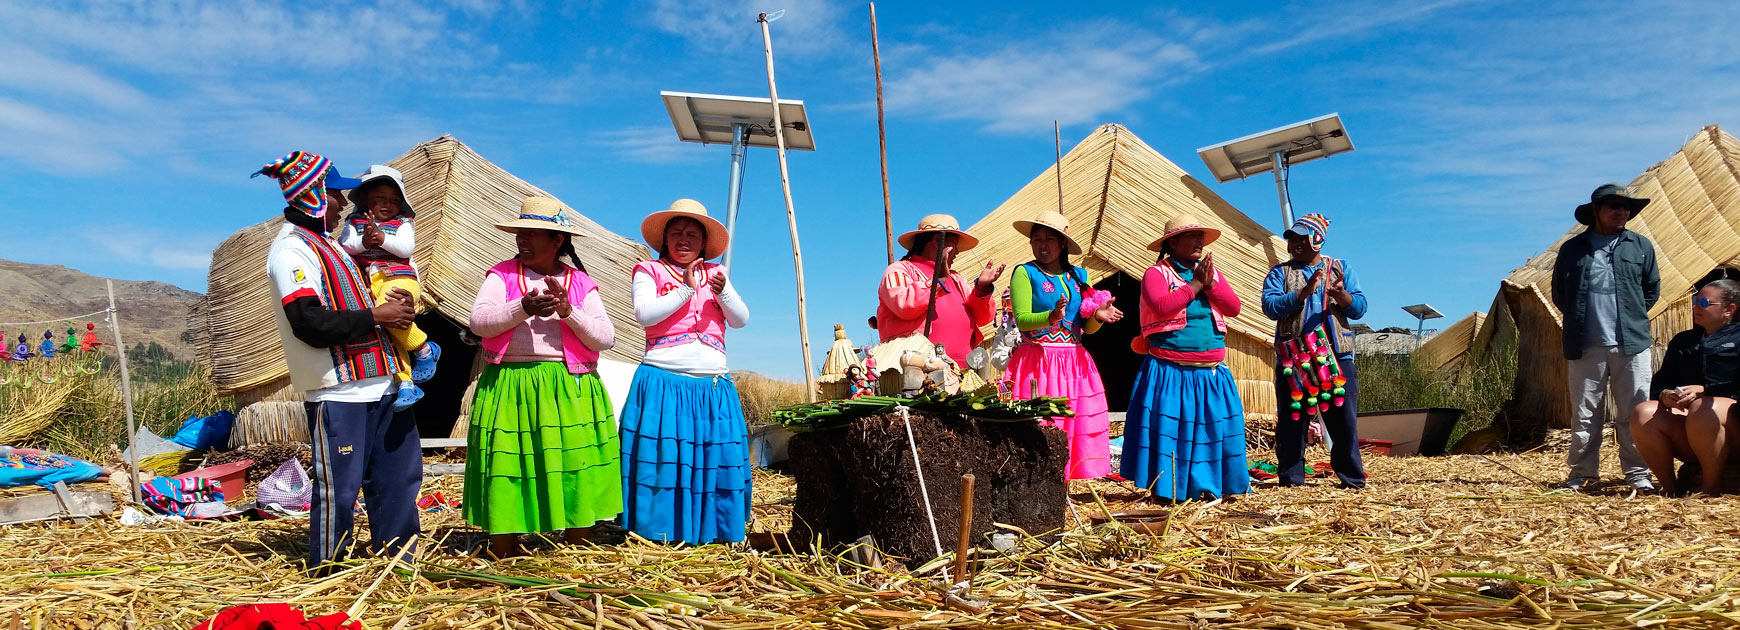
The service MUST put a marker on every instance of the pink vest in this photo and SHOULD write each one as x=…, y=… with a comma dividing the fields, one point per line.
x=1153, y=322
x=701, y=320
x=580, y=359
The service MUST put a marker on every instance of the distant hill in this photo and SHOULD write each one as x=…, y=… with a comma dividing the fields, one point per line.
x=150, y=311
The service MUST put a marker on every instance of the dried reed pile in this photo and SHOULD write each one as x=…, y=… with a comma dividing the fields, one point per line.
x=1460, y=542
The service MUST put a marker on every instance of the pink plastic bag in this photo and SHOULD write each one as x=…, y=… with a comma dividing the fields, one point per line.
x=288, y=486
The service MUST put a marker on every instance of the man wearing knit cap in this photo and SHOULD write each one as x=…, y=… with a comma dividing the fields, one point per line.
x=1313, y=294
x=1604, y=282
x=342, y=362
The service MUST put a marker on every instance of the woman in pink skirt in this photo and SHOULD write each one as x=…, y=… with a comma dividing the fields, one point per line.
x=1054, y=307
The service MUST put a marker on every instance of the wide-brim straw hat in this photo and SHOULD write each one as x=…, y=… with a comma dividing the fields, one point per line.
x=1054, y=220
x=543, y=213
x=652, y=228
x=1585, y=213
x=940, y=223
x=1181, y=224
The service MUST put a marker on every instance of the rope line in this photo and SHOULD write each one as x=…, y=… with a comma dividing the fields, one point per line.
x=935, y=536
x=63, y=319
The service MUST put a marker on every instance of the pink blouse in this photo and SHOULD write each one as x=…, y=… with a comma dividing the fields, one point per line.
x=538, y=339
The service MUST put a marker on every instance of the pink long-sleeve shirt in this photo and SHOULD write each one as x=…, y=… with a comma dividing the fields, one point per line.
x=1159, y=302
x=537, y=338
x=904, y=297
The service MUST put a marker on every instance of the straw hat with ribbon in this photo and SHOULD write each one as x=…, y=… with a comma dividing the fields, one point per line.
x=939, y=223
x=1181, y=224
x=652, y=228
x=543, y=213
x=1054, y=220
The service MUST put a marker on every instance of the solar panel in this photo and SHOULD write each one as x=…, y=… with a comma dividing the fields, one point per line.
x=1299, y=142
x=708, y=119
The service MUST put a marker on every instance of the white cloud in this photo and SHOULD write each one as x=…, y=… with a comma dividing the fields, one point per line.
x=1504, y=127
x=158, y=248
x=1072, y=77
x=648, y=145
x=1350, y=21
x=808, y=26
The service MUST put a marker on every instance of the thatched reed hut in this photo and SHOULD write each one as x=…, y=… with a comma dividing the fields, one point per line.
x=458, y=195
x=1118, y=193
x=1448, y=350
x=1693, y=219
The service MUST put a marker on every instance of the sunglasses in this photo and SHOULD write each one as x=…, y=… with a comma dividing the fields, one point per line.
x=1702, y=302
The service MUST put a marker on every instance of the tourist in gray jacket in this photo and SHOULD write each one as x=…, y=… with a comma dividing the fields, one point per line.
x=1604, y=282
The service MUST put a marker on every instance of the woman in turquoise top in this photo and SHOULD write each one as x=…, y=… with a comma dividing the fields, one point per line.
x=1054, y=307
x=1184, y=431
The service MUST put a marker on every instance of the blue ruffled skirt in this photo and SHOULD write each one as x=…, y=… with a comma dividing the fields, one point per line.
x=685, y=458
x=1184, y=432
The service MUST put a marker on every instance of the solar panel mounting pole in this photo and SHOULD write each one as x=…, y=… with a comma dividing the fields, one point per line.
x=1281, y=188
x=739, y=134
x=797, y=256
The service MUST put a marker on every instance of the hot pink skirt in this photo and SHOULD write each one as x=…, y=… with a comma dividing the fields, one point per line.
x=1067, y=371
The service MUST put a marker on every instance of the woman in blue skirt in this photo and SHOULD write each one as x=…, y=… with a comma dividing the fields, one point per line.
x=1184, y=432
x=685, y=455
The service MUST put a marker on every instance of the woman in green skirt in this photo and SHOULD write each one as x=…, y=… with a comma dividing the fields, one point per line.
x=542, y=454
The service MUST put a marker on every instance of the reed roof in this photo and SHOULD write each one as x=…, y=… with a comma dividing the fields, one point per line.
x=1117, y=194
x=459, y=196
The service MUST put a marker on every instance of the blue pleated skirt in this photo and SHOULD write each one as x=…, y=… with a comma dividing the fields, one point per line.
x=685, y=458
x=1184, y=432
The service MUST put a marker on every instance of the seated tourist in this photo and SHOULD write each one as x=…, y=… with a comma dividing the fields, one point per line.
x=1695, y=390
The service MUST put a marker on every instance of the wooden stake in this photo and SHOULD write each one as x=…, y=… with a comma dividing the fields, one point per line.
x=882, y=138
x=126, y=395
x=1057, y=135
x=797, y=256
x=966, y=538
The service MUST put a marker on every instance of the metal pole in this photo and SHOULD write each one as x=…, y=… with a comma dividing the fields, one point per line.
x=797, y=256
x=1419, y=331
x=882, y=138
x=735, y=193
x=126, y=394
x=1281, y=188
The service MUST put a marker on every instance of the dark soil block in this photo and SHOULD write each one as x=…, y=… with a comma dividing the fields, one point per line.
x=1027, y=466
x=859, y=480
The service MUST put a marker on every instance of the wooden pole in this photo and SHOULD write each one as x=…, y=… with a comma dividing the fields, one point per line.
x=797, y=256
x=126, y=394
x=882, y=138
x=966, y=539
x=1057, y=136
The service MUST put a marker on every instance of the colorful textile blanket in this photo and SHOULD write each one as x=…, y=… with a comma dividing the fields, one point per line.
x=1265, y=470
x=44, y=469
x=170, y=495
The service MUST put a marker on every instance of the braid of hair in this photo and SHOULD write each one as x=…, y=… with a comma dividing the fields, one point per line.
x=567, y=249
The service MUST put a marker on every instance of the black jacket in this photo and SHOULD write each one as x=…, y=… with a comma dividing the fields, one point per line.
x=1681, y=364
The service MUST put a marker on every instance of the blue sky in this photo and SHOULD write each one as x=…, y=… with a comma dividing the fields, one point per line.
x=127, y=129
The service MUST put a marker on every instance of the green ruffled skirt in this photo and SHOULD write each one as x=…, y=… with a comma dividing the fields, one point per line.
x=542, y=453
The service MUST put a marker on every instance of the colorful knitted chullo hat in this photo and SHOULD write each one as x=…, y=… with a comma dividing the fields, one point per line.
x=1314, y=227
x=303, y=177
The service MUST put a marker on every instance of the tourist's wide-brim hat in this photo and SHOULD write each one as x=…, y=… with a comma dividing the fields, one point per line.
x=940, y=223
x=1054, y=220
x=543, y=213
x=1586, y=213
x=1182, y=224
x=652, y=228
